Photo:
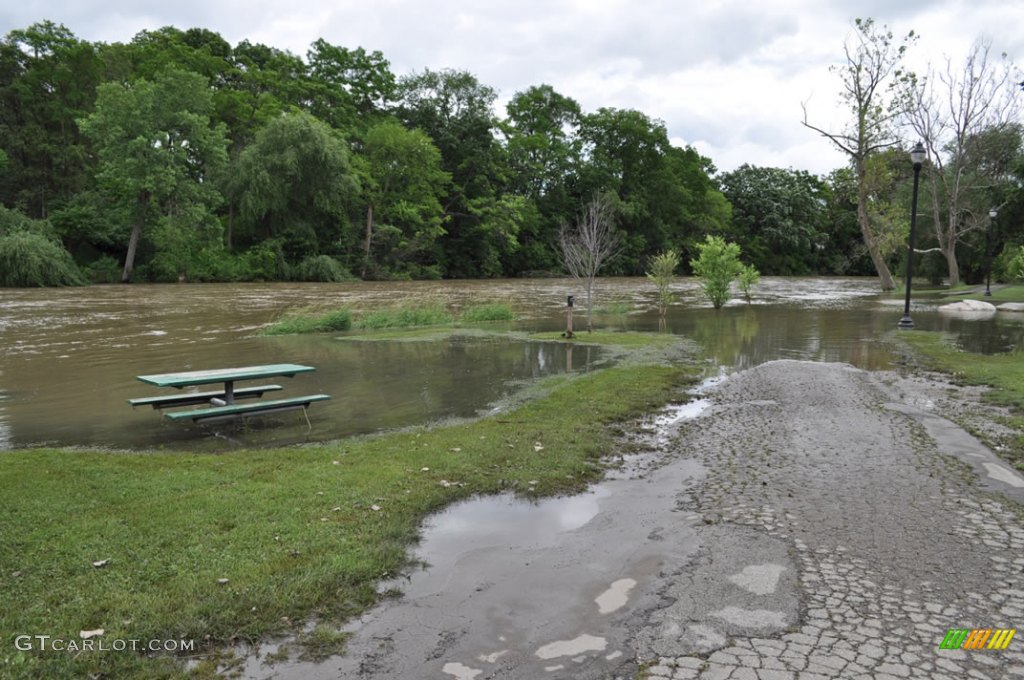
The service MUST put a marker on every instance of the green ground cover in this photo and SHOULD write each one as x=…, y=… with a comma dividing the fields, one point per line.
x=416, y=317
x=1003, y=372
x=1000, y=293
x=244, y=544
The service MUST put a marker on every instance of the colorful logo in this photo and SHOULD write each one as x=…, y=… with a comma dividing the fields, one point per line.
x=978, y=638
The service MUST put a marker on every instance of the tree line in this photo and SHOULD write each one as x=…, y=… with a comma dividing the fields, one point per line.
x=177, y=156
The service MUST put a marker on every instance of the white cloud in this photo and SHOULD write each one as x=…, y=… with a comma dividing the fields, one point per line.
x=727, y=76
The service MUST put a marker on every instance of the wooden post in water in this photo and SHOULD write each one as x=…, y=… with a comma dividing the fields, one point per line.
x=568, y=323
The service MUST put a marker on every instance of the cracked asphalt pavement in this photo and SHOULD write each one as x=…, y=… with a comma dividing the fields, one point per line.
x=896, y=526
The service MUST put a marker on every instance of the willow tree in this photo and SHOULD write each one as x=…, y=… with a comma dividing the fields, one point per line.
x=295, y=184
x=872, y=81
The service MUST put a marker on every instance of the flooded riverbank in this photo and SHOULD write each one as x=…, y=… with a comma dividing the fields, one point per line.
x=70, y=356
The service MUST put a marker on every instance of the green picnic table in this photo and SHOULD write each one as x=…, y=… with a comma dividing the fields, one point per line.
x=223, y=401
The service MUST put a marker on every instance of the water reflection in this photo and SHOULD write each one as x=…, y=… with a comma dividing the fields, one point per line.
x=70, y=356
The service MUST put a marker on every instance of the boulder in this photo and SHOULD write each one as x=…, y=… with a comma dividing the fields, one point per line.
x=1011, y=307
x=972, y=306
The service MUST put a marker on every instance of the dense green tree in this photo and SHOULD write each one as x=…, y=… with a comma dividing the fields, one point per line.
x=544, y=157
x=350, y=86
x=48, y=79
x=296, y=186
x=158, y=156
x=665, y=196
x=779, y=217
x=403, y=182
x=455, y=110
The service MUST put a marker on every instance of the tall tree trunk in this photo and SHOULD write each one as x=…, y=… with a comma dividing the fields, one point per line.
x=231, y=225
x=953, y=266
x=133, y=240
x=369, y=240
x=885, y=278
x=129, y=259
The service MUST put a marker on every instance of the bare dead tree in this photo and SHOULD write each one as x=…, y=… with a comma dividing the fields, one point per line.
x=589, y=245
x=952, y=112
x=870, y=78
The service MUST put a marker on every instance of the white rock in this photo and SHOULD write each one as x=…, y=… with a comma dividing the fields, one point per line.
x=968, y=306
x=1011, y=307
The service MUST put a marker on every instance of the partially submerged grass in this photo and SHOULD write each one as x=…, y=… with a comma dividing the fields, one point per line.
x=491, y=311
x=405, y=317
x=337, y=320
x=296, y=532
x=1003, y=372
x=425, y=316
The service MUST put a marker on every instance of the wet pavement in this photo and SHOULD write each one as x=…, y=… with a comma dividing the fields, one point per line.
x=799, y=521
x=890, y=541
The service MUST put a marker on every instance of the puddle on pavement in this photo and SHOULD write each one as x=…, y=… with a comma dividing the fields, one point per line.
x=543, y=583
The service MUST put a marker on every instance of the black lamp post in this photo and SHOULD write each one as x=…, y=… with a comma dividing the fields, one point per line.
x=988, y=251
x=917, y=156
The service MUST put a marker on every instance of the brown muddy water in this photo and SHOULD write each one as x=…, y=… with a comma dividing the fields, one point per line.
x=70, y=356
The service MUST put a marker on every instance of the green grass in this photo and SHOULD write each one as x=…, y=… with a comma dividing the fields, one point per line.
x=426, y=317
x=1003, y=372
x=491, y=311
x=337, y=320
x=297, y=532
x=1000, y=293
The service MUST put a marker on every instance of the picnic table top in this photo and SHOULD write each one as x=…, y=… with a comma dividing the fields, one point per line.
x=223, y=375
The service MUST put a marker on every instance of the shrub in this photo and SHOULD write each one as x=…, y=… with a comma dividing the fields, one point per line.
x=338, y=320
x=662, y=271
x=492, y=311
x=747, y=279
x=717, y=265
x=30, y=259
x=1015, y=265
x=322, y=268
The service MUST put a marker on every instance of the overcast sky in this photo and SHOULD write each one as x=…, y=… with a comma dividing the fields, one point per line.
x=727, y=76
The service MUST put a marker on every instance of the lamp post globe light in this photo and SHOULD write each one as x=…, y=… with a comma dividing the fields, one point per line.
x=992, y=214
x=917, y=156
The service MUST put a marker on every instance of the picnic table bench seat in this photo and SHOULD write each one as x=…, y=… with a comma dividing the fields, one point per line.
x=237, y=411
x=192, y=398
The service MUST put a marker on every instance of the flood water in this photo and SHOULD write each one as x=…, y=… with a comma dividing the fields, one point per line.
x=70, y=356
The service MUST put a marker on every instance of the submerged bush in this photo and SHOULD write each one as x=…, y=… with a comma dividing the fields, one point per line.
x=403, y=317
x=492, y=311
x=662, y=271
x=30, y=259
x=717, y=265
x=322, y=268
x=338, y=320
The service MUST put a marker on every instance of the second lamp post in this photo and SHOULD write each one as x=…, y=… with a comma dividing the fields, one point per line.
x=917, y=156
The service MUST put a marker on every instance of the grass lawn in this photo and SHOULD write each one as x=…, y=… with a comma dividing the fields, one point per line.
x=240, y=545
x=1000, y=293
x=1003, y=372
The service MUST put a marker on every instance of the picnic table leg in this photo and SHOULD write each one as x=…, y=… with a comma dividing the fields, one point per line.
x=229, y=391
